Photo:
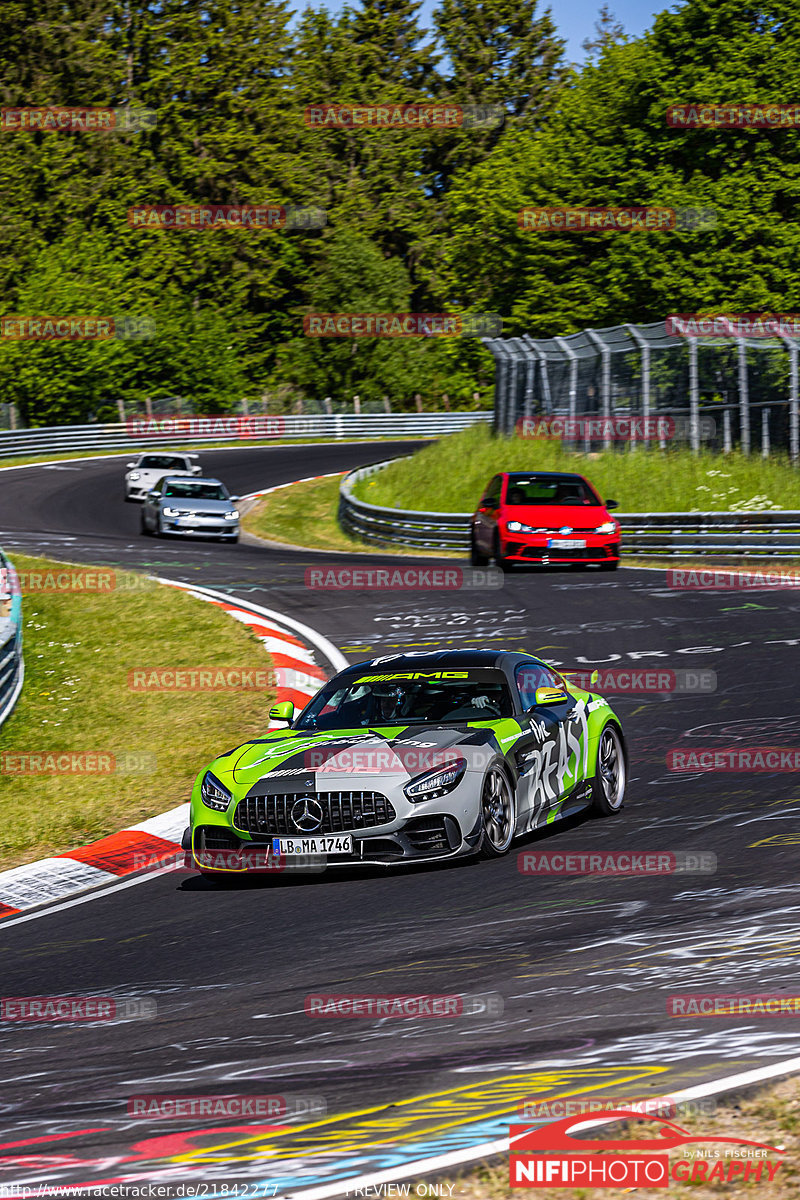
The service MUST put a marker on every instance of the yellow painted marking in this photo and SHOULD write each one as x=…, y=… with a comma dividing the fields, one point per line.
x=475, y=1101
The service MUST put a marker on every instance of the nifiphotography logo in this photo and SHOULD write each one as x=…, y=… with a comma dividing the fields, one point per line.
x=552, y=1156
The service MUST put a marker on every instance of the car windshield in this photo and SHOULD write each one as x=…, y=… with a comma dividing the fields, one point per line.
x=549, y=489
x=162, y=462
x=408, y=698
x=194, y=491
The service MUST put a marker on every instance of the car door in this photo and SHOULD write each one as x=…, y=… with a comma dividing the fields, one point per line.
x=551, y=755
x=485, y=519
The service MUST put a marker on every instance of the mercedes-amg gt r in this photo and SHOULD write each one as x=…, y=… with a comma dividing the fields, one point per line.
x=411, y=757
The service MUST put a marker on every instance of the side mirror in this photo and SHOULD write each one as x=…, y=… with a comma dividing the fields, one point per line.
x=612, y=504
x=282, y=712
x=197, y=470
x=153, y=495
x=233, y=499
x=549, y=695
x=130, y=464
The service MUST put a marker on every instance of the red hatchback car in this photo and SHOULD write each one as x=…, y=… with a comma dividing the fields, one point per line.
x=544, y=517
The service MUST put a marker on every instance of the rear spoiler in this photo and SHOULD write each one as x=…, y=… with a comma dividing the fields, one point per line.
x=593, y=677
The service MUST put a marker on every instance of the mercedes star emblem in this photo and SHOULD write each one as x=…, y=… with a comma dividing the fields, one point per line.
x=307, y=814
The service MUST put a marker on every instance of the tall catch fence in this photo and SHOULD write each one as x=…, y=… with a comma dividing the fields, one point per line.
x=715, y=392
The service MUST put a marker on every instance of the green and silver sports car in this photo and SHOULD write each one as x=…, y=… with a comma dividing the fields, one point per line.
x=411, y=757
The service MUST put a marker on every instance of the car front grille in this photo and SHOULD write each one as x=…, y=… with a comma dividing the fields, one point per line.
x=341, y=811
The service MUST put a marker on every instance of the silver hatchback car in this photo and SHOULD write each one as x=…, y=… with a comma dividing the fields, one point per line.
x=190, y=508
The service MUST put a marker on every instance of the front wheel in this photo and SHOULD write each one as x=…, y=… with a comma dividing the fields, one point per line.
x=608, y=786
x=498, y=813
x=500, y=560
x=609, y=566
x=476, y=557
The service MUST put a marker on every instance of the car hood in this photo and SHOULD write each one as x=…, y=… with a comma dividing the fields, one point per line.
x=556, y=516
x=292, y=758
x=193, y=505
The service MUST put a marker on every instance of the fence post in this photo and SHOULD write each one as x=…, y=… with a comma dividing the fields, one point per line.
x=644, y=350
x=727, y=442
x=531, y=359
x=694, y=398
x=744, y=398
x=498, y=352
x=606, y=356
x=794, y=422
x=327, y=405
x=765, y=433
x=121, y=409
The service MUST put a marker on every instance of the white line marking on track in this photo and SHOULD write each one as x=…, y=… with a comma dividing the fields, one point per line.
x=7, y=922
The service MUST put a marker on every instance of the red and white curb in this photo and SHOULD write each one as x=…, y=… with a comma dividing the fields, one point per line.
x=294, y=648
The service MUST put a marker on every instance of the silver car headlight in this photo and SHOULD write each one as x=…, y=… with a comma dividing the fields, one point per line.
x=437, y=782
x=606, y=527
x=214, y=794
x=232, y=515
x=171, y=512
x=134, y=475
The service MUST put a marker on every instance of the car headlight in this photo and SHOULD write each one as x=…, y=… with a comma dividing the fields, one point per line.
x=437, y=782
x=607, y=527
x=133, y=475
x=214, y=794
x=171, y=512
x=232, y=515
x=518, y=527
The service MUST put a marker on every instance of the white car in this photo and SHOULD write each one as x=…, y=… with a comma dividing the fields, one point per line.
x=148, y=469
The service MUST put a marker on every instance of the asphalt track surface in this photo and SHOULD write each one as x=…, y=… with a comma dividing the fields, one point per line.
x=584, y=965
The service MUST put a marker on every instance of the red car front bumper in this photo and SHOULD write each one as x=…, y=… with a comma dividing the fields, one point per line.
x=533, y=548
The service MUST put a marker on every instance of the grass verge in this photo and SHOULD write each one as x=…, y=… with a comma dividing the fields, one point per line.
x=451, y=474
x=772, y=1116
x=305, y=514
x=79, y=648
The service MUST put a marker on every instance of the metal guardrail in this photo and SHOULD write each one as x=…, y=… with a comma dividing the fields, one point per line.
x=12, y=665
x=776, y=534
x=140, y=434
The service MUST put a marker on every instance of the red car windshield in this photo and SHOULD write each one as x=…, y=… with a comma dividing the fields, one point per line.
x=549, y=489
